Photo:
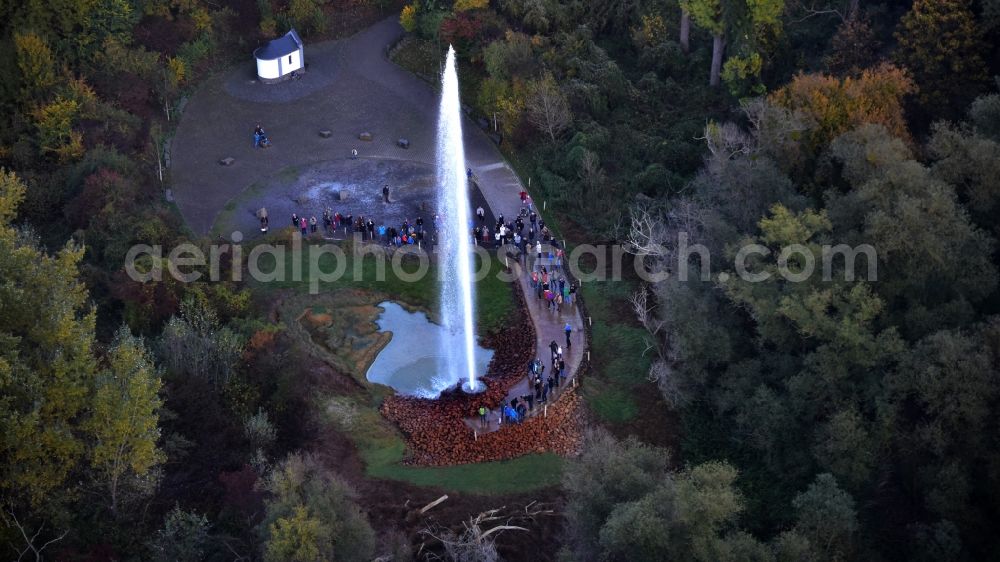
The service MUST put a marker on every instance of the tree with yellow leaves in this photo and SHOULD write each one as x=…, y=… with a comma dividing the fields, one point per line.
x=46, y=362
x=408, y=17
x=36, y=63
x=60, y=414
x=55, y=129
x=466, y=5
x=311, y=515
x=123, y=420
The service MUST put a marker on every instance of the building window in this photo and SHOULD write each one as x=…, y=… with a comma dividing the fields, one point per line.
x=289, y=59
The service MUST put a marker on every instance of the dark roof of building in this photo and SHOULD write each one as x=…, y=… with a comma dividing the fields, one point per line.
x=282, y=46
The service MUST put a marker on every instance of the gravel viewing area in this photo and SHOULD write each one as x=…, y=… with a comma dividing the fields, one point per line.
x=350, y=88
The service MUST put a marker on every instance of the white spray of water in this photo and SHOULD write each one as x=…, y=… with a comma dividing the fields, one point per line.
x=455, y=248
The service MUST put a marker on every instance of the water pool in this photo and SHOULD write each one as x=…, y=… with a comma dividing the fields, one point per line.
x=412, y=363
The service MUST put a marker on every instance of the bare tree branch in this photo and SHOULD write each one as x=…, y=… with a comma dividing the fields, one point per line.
x=476, y=543
x=825, y=10
x=548, y=109
x=10, y=518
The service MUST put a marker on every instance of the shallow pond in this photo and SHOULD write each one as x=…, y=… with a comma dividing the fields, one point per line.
x=412, y=363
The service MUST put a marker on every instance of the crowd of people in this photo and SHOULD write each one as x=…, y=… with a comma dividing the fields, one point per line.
x=334, y=223
x=542, y=388
x=527, y=233
x=549, y=281
x=512, y=232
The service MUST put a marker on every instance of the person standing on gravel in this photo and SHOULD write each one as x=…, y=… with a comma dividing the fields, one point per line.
x=385, y=193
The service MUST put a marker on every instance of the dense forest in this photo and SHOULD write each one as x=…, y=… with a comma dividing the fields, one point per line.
x=850, y=418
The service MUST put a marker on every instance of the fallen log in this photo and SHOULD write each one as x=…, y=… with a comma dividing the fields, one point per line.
x=433, y=503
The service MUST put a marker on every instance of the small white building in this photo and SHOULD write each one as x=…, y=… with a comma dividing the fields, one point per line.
x=281, y=57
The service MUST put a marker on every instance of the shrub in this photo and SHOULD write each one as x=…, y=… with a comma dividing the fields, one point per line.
x=408, y=18
x=311, y=515
x=183, y=538
x=466, y=5
x=429, y=24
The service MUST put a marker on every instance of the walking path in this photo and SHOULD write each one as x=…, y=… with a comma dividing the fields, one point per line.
x=350, y=87
x=549, y=327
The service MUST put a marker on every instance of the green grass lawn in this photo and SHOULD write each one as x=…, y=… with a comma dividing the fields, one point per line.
x=530, y=472
x=494, y=299
x=617, y=347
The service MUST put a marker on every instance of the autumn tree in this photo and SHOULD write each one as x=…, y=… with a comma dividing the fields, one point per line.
x=835, y=326
x=834, y=106
x=651, y=32
x=56, y=136
x=62, y=417
x=408, y=18
x=36, y=63
x=752, y=25
x=124, y=416
x=311, y=516
x=942, y=46
x=46, y=361
x=467, y=5
x=307, y=15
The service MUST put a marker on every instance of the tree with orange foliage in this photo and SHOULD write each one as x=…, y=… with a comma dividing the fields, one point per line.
x=833, y=106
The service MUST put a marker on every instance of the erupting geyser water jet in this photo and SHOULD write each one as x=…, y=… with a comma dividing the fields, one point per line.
x=454, y=246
